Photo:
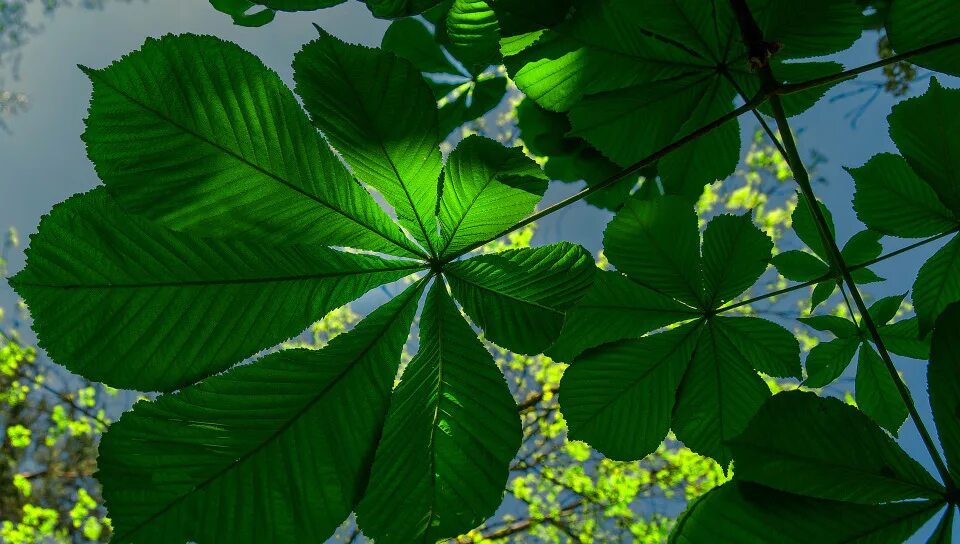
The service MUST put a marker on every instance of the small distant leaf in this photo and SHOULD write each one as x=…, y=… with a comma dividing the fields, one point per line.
x=877, y=394
x=862, y=247
x=242, y=15
x=799, y=266
x=821, y=293
x=827, y=361
x=885, y=309
x=839, y=326
x=820, y=447
x=805, y=226
x=943, y=383
x=903, y=338
x=519, y=297
x=450, y=434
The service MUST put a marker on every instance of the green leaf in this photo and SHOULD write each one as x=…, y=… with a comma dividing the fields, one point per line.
x=925, y=22
x=937, y=284
x=943, y=534
x=474, y=34
x=410, y=39
x=615, y=308
x=822, y=292
x=450, y=435
x=820, y=447
x=378, y=112
x=189, y=306
x=943, y=383
x=799, y=266
x=865, y=275
x=744, y=512
x=486, y=188
x=930, y=147
x=391, y=9
x=805, y=225
x=254, y=455
x=619, y=397
x=877, y=394
x=225, y=168
x=766, y=346
x=717, y=397
x=518, y=297
x=892, y=199
x=657, y=242
x=735, y=255
x=811, y=28
x=885, y=309
x=827, y=360
x=839, y=326
x=903, y=338
x=862, y=247
x=240, y=9
x=473, y=103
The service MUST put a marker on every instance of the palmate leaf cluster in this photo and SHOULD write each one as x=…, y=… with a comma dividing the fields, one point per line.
x=226, y=224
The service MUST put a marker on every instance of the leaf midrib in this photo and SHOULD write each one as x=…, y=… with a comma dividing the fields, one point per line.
x=240, y=158
x=290, y=422
x=225, y=281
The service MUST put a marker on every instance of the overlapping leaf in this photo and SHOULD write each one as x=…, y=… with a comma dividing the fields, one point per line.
x=918, y=194
x=261, y=12
x=466, y=91
x=234, y=196
x=636, y=76
x=811, y=468
x=912, y=25
x=800, y=266
x=700, y=379
x=876, y=391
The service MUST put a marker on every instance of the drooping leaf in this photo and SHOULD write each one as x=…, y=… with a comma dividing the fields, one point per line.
x=820, y=447
x=189, y=306
x=391, y=9
x=827, y=360
x=891, y=199
x=619, y=397
x=450, y=434
x=486, y=189
x=911, y=25
x=745, y=512
x=410, y=39
x=263, y=453
x=242, y=15
x=518, y=297
x=821, y=293
x=799, y=266
x=877, y=394
x=658, y=241
x=839, y=326
x=735, y=255
x=862, y=247
x=225, y=168
x=378, y=112
x=885, y=309
x=805, y=225
x=943, y=383
x=903, y=338
x=615, y=308
x=474, y=33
